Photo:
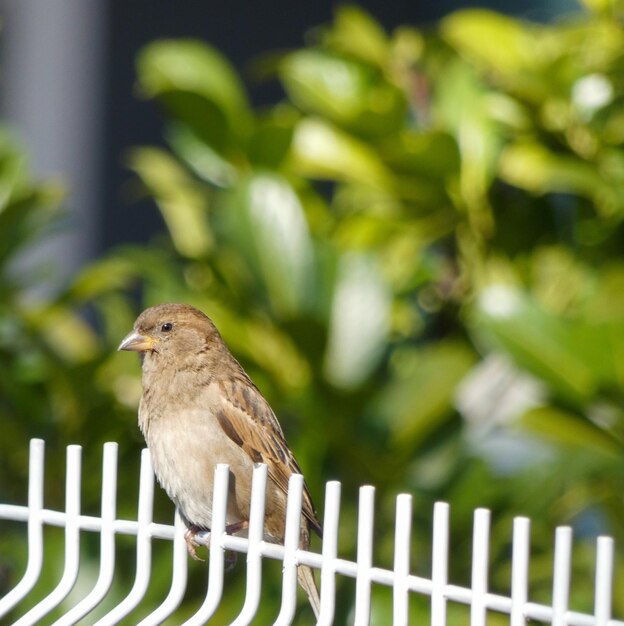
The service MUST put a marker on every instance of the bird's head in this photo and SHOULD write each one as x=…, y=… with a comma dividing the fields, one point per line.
x=170, y=330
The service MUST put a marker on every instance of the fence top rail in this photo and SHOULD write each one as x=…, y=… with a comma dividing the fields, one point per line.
x=436, y=587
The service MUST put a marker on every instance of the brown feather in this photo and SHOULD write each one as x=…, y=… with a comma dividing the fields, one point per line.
x=248, y=420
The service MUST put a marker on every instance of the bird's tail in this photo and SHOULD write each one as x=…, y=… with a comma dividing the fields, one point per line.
x=307, y=582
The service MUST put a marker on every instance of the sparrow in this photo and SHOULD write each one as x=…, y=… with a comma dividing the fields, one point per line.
x=200, y=408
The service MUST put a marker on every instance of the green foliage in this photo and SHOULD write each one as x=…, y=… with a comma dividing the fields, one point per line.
x=53, y=380
x=418, y=257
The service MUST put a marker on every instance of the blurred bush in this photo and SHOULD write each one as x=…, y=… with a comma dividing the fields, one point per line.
x=418, y=257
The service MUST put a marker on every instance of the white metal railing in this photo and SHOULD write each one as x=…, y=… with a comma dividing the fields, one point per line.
x=517, y=604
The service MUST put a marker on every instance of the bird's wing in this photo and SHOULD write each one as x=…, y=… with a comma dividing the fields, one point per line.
x=248, y=420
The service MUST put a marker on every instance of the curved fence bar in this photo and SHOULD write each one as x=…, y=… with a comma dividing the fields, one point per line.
x=438, y=589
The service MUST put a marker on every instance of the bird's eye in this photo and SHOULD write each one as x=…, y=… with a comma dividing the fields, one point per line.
x=166, y=327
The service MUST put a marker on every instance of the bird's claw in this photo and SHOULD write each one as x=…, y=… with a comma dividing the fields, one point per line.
x=194, y=538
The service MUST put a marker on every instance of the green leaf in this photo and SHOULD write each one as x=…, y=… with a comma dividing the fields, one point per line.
x=356, y=33
x=182, y=204
x=101, y=276
x=463, y=107
x=321, y=151
x=601, y=346
x=206, y=162
x=565, y=428
x=264, y=217
x=270, y=142
x=601, y=6
x=545, y=345
x=198, y=86
x=422, y=396
x=347, y=92
x=607, y=301
x=64, y=332
x=430, y=154
x=492, y=40
x=359, y=322
x=533, y=167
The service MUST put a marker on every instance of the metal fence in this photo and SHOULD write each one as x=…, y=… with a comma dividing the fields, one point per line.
x=437, y=587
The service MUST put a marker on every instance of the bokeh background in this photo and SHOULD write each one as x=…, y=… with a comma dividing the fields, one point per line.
x=406, y=222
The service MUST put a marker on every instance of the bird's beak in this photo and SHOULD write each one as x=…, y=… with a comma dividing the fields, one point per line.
x=136, y=342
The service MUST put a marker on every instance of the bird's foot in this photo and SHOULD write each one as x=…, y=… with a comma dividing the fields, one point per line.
x=231, y=557
x=232, y=529
x=195, y=537
x=230, y=560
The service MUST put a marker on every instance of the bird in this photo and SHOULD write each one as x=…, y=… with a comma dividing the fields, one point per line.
x=199, y=408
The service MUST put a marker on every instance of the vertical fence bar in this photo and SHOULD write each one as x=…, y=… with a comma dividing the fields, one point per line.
x=178, y=579
x=72, y=542
x=517, y=608
x=217, y=553
x=520, y=570
x=480, y=557
x=402, y=553
x=107, y=540
x=366, y=516
x=329, y=553
x=144, y=546
x=439, y=563
x=561, y=574
x=254, y=556
x=604, y=580
x=35, y=529
x=291, y=544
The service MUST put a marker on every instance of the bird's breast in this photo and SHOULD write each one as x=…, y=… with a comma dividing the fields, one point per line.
x=185, y=447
